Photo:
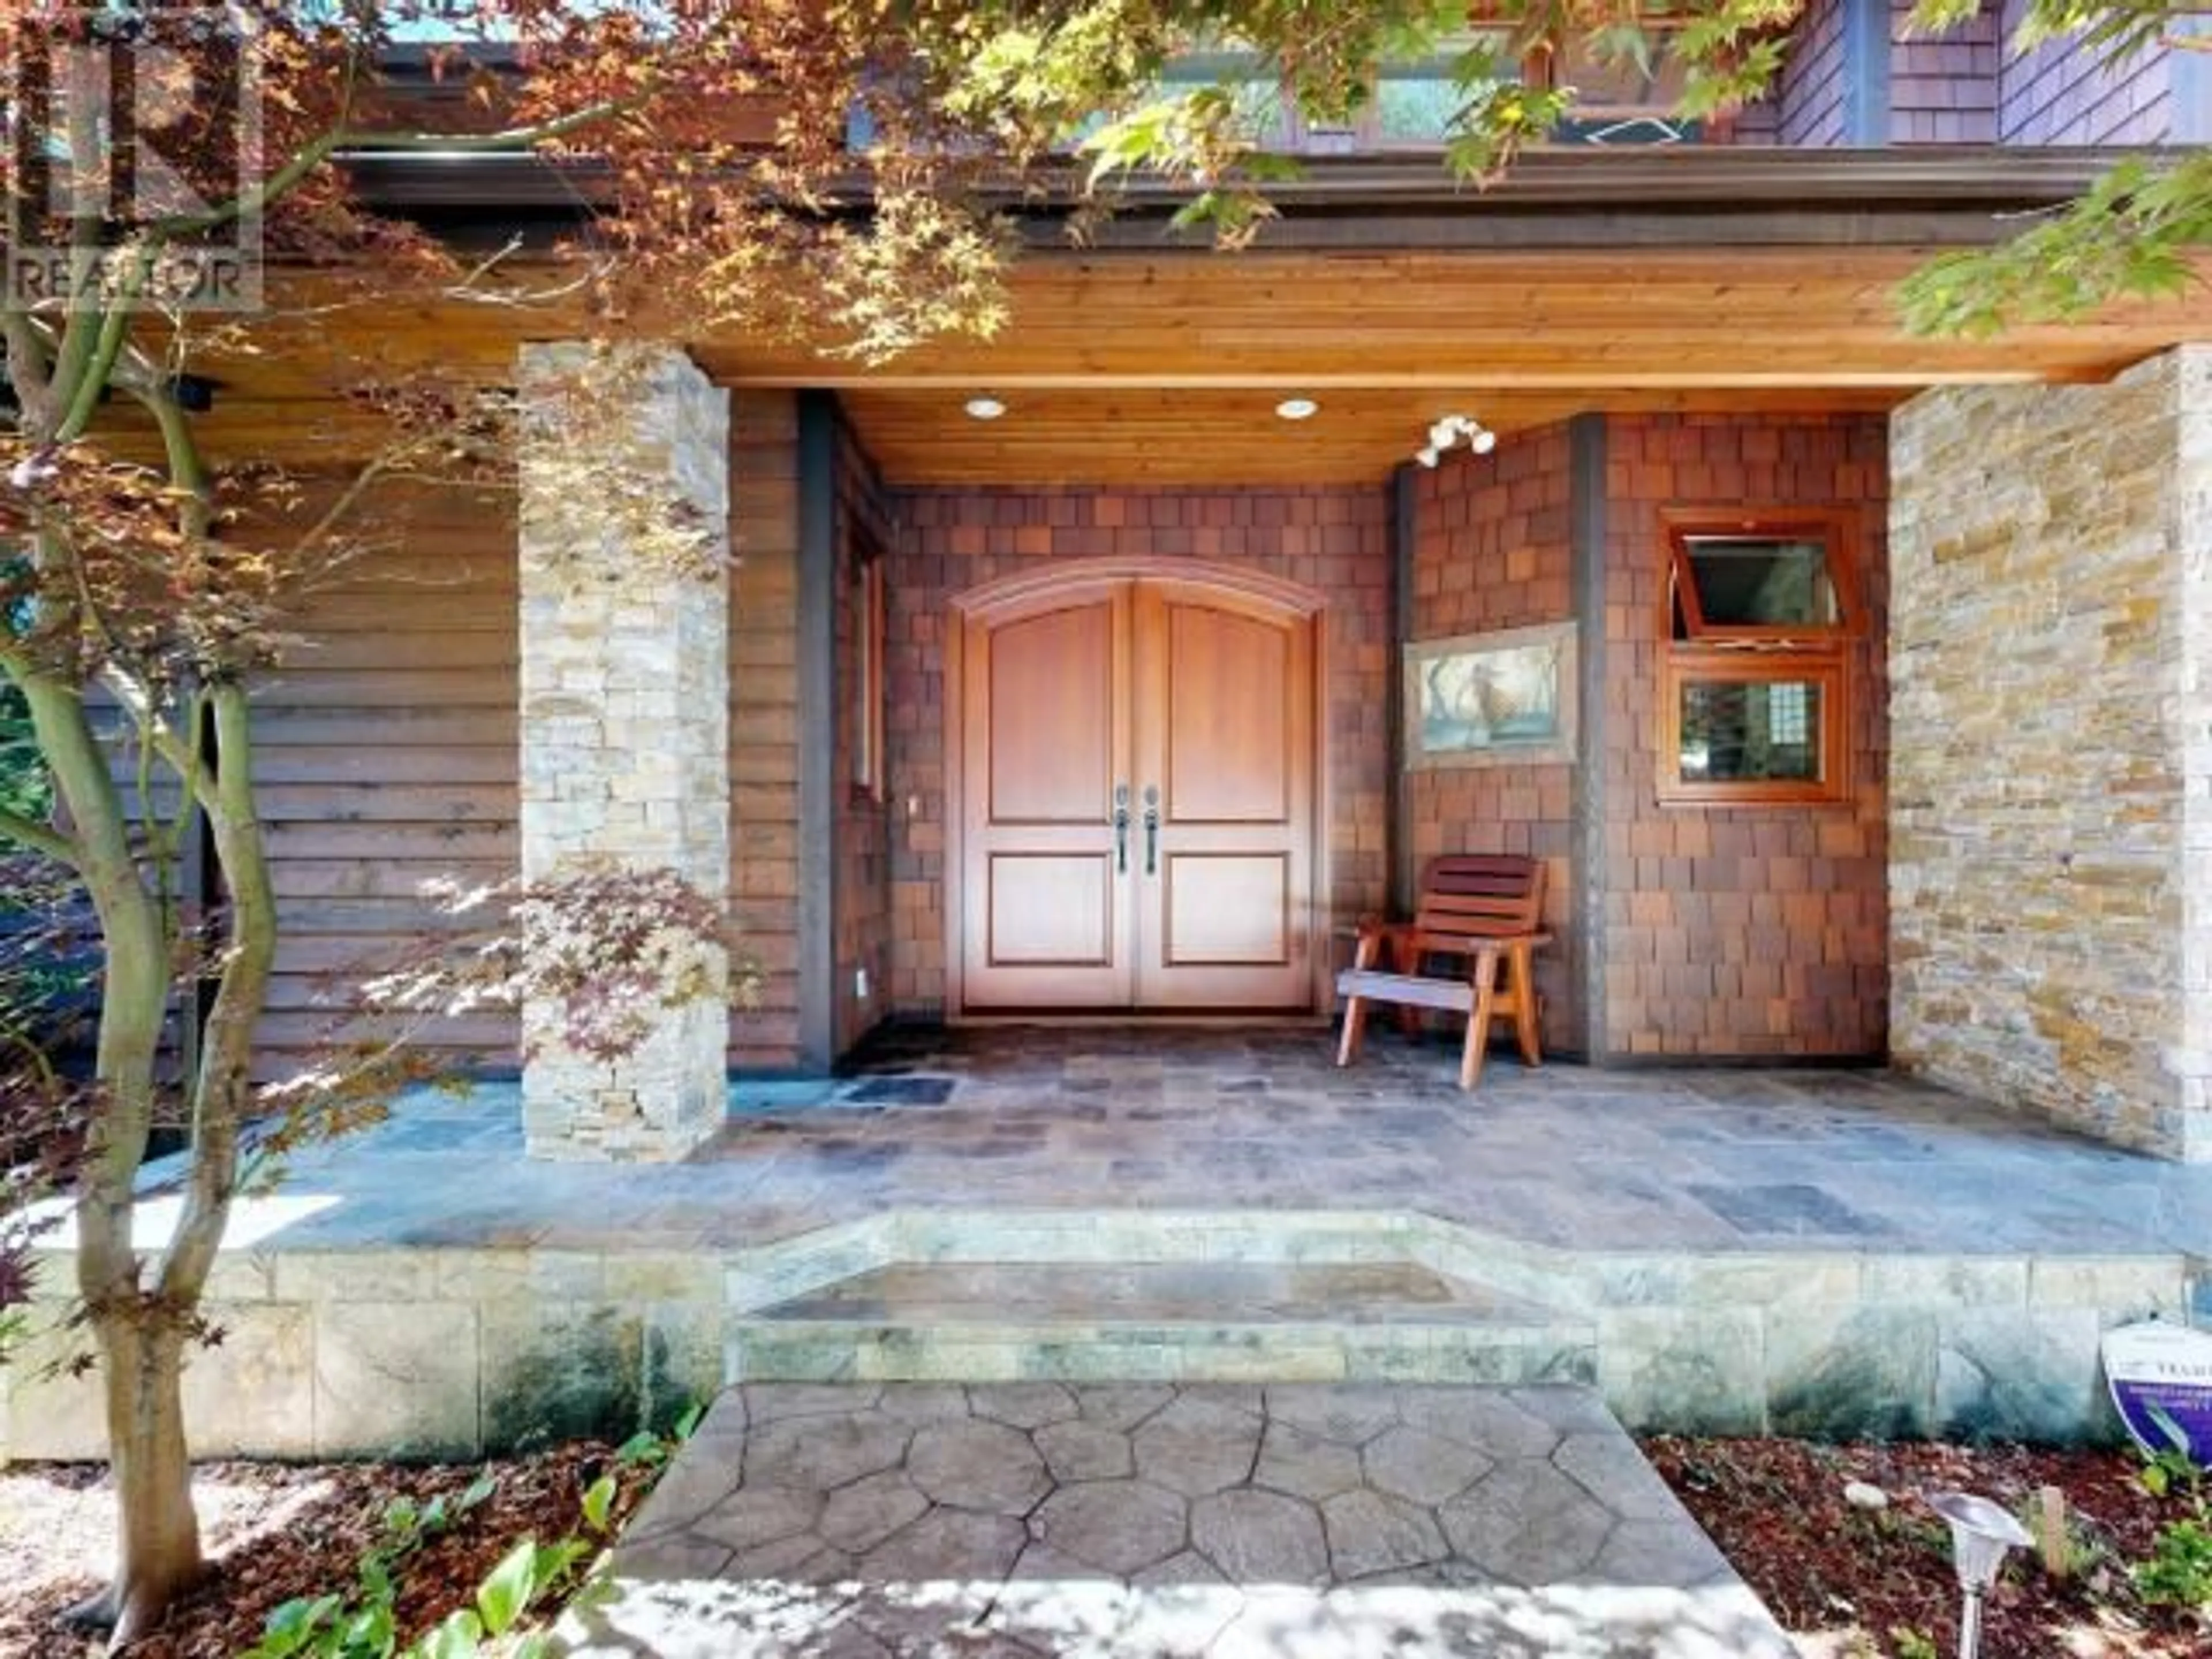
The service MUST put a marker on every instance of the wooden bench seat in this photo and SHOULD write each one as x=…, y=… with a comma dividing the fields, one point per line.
x=1479, y=913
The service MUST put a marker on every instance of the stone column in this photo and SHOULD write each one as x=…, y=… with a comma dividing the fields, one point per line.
x=2050, y=772
x=2189, y=716
x=625, y=711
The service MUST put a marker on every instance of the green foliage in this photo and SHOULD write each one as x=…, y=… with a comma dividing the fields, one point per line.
x=1906, y=1642
x=647, y=1450
x=363, y=1626
x=2179, y=1573
x=26, y=790
x=1048, y=75
x=2171, y=1470
x=2130, y=236
x=2168, y=1474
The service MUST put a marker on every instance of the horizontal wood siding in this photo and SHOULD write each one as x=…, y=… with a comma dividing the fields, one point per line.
x=386, y=753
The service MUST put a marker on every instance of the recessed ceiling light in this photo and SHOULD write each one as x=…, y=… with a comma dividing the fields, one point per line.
x=985, y=408
x=1297, y=408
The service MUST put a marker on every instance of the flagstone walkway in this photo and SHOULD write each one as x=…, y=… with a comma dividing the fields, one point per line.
x=1229, y=1522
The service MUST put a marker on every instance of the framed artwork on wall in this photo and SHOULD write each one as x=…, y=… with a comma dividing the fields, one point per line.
x=1500, y=699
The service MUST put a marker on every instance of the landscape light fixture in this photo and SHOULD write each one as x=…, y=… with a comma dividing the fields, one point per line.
x=1982, y=1534
x=984, y=409
x=1448, y=431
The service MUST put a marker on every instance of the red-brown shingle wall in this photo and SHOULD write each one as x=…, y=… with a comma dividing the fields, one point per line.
x=1740, y=930
x=1811, y=93
x=1335, y=539
x=861, y=919
x=764, y=720
x=1492, y=551
x=1943, y=88
x=2062, y=93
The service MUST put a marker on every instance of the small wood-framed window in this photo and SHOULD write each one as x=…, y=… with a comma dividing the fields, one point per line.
x=1761, y=614
x=867, y=622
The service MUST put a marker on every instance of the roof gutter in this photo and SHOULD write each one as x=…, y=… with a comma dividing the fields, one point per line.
x=1581, y=198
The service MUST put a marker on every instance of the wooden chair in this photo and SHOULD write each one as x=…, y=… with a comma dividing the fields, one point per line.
x=1483, y=911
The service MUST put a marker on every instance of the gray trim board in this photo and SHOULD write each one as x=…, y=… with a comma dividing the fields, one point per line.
x=2190, y=98
x=1866, y=71
x=1586, y=453
x=817, y=728
x=1397, y=833
x=1938, y=195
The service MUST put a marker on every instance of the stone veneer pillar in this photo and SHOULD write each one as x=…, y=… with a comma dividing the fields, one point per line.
x=625, y=736
x=2051, y=789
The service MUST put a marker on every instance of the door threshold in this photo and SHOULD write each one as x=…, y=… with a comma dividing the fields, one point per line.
x=1275, y=1018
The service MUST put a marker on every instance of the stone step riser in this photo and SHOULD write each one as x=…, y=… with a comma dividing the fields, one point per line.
x=820, y=1352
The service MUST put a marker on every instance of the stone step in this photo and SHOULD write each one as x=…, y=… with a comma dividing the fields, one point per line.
x=1164, y=1321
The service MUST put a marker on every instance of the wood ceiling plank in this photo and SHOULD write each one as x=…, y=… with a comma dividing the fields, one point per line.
x=1164, y=366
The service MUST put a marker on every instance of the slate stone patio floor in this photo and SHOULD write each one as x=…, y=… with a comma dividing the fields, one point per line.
x=1229, y=1522
x=1219, y=1119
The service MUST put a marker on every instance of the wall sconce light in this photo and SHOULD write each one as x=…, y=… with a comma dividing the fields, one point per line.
x=1448, y=431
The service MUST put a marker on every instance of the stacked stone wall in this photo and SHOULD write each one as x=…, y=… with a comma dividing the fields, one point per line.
x=2051, y=859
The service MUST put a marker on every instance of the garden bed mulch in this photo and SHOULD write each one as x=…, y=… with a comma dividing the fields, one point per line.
x=1846, y=1580
x=276, y=1531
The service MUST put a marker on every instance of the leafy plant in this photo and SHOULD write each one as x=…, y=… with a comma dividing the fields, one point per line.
x=1906, y=1642
x=2171, y=1469
x=2166, y=1473
x=647, y=1450
x=2179, y=1573
x=364, y=1625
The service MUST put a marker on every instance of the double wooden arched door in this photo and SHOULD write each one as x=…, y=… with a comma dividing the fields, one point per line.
x=1132, y=756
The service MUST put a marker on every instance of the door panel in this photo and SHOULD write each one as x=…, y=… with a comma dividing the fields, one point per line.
x=1052, y=717
x=1044, y=736
x=1226, y=910
x=1052, y=910
x=1224, y=734
x=1196, y=703
x=1227, y=726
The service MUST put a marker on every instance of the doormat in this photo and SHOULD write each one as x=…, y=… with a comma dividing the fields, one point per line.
x=901, y=1091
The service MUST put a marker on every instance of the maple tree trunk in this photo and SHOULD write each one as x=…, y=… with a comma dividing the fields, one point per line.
x=158, y=1533
x=140, y=1335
